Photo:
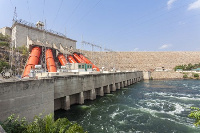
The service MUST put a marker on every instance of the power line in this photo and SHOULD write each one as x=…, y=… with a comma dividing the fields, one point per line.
x=146, y=20
x=75, y=9
x=43, y=10
x=28, y=9
x=57, y=14
x=87, y=13
x=12, y=4
x=73, y=12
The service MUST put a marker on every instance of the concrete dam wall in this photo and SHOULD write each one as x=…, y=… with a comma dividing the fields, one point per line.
x=142, y=60
x=31, y=97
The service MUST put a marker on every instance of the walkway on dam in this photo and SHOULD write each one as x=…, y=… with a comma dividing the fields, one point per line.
x=28, y=98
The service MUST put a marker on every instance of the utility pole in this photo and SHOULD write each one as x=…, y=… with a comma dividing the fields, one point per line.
x=13, y=40
x=92, y=45
x=43, y=57
x=112, y=59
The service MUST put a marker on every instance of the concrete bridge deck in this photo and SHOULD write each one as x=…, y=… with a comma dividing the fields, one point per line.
x=31, y=97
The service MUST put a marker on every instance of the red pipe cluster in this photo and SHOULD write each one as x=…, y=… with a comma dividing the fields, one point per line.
x=34, y=58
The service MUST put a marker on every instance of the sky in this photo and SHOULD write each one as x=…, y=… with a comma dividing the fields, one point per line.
x=118, y=25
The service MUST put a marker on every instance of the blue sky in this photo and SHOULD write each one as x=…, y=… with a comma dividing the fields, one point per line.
x=120, y=25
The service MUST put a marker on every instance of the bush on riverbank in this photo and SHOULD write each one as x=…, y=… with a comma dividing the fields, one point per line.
x=196, y=75
x=185, y=76
x=195, y=114
x=40, y=125
x=187, y=67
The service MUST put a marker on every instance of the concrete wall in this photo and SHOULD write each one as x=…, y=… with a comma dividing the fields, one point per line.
x=26, y=98
x=166, y=75
x=6, y=31
x=75, y=89
x=144, y=61
x=146, y=75
x=20, y=33
x=32, y=97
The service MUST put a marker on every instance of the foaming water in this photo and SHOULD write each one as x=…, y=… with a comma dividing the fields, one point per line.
x=148, y=106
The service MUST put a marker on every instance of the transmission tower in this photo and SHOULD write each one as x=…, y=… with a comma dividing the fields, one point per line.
x=15, y=15
x=13, y=40
x=92, y=45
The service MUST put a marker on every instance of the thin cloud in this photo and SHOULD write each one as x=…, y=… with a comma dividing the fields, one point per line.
x=194, y=5
x=165, y=46
x=181, y=23
x=135, y=49
x=169, y=3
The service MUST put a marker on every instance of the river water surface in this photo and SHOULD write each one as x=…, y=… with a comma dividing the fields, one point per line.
x=148, y=106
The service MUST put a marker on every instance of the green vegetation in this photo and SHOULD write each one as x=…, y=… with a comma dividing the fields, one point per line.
x=187, y=67
x=196, y=75
x=40, y=125
x=23, y=50
x=4, y=53
x=185, y=76
x=5, y=38
x=3, y=65
x=195, y=114
x=4, y=44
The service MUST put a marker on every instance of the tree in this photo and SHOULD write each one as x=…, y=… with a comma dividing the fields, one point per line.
x=185, y=76
x=40, y=125
x=5, y=38
x=195, y=114
x=23, y=50
x=3, y=65
x=187, y=67
x=196, y=75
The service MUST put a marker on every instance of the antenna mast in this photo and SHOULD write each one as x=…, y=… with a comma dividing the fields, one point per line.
x=13, y=40
x=15, y=15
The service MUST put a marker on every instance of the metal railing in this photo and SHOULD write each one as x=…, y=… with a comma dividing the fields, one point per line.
x=20, y=21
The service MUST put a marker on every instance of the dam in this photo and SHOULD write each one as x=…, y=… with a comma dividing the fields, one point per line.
x=28, y=98
x=55, y=75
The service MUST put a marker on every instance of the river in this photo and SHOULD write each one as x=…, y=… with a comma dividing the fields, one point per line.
x=156, y=106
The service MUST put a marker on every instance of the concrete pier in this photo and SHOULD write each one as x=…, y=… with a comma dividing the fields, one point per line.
x=31, y=97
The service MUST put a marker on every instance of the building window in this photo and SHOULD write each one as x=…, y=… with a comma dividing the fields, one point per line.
x=82, y=66
x=79, y=66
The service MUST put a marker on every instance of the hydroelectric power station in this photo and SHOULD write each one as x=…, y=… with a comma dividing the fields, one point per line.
x=56, y=74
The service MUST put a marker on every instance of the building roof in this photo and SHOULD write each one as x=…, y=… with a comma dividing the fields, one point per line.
x=197, y=69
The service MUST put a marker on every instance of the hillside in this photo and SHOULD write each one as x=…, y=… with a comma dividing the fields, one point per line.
x=20, y=55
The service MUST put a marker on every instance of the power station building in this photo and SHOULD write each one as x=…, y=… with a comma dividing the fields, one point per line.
x=24, y=33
